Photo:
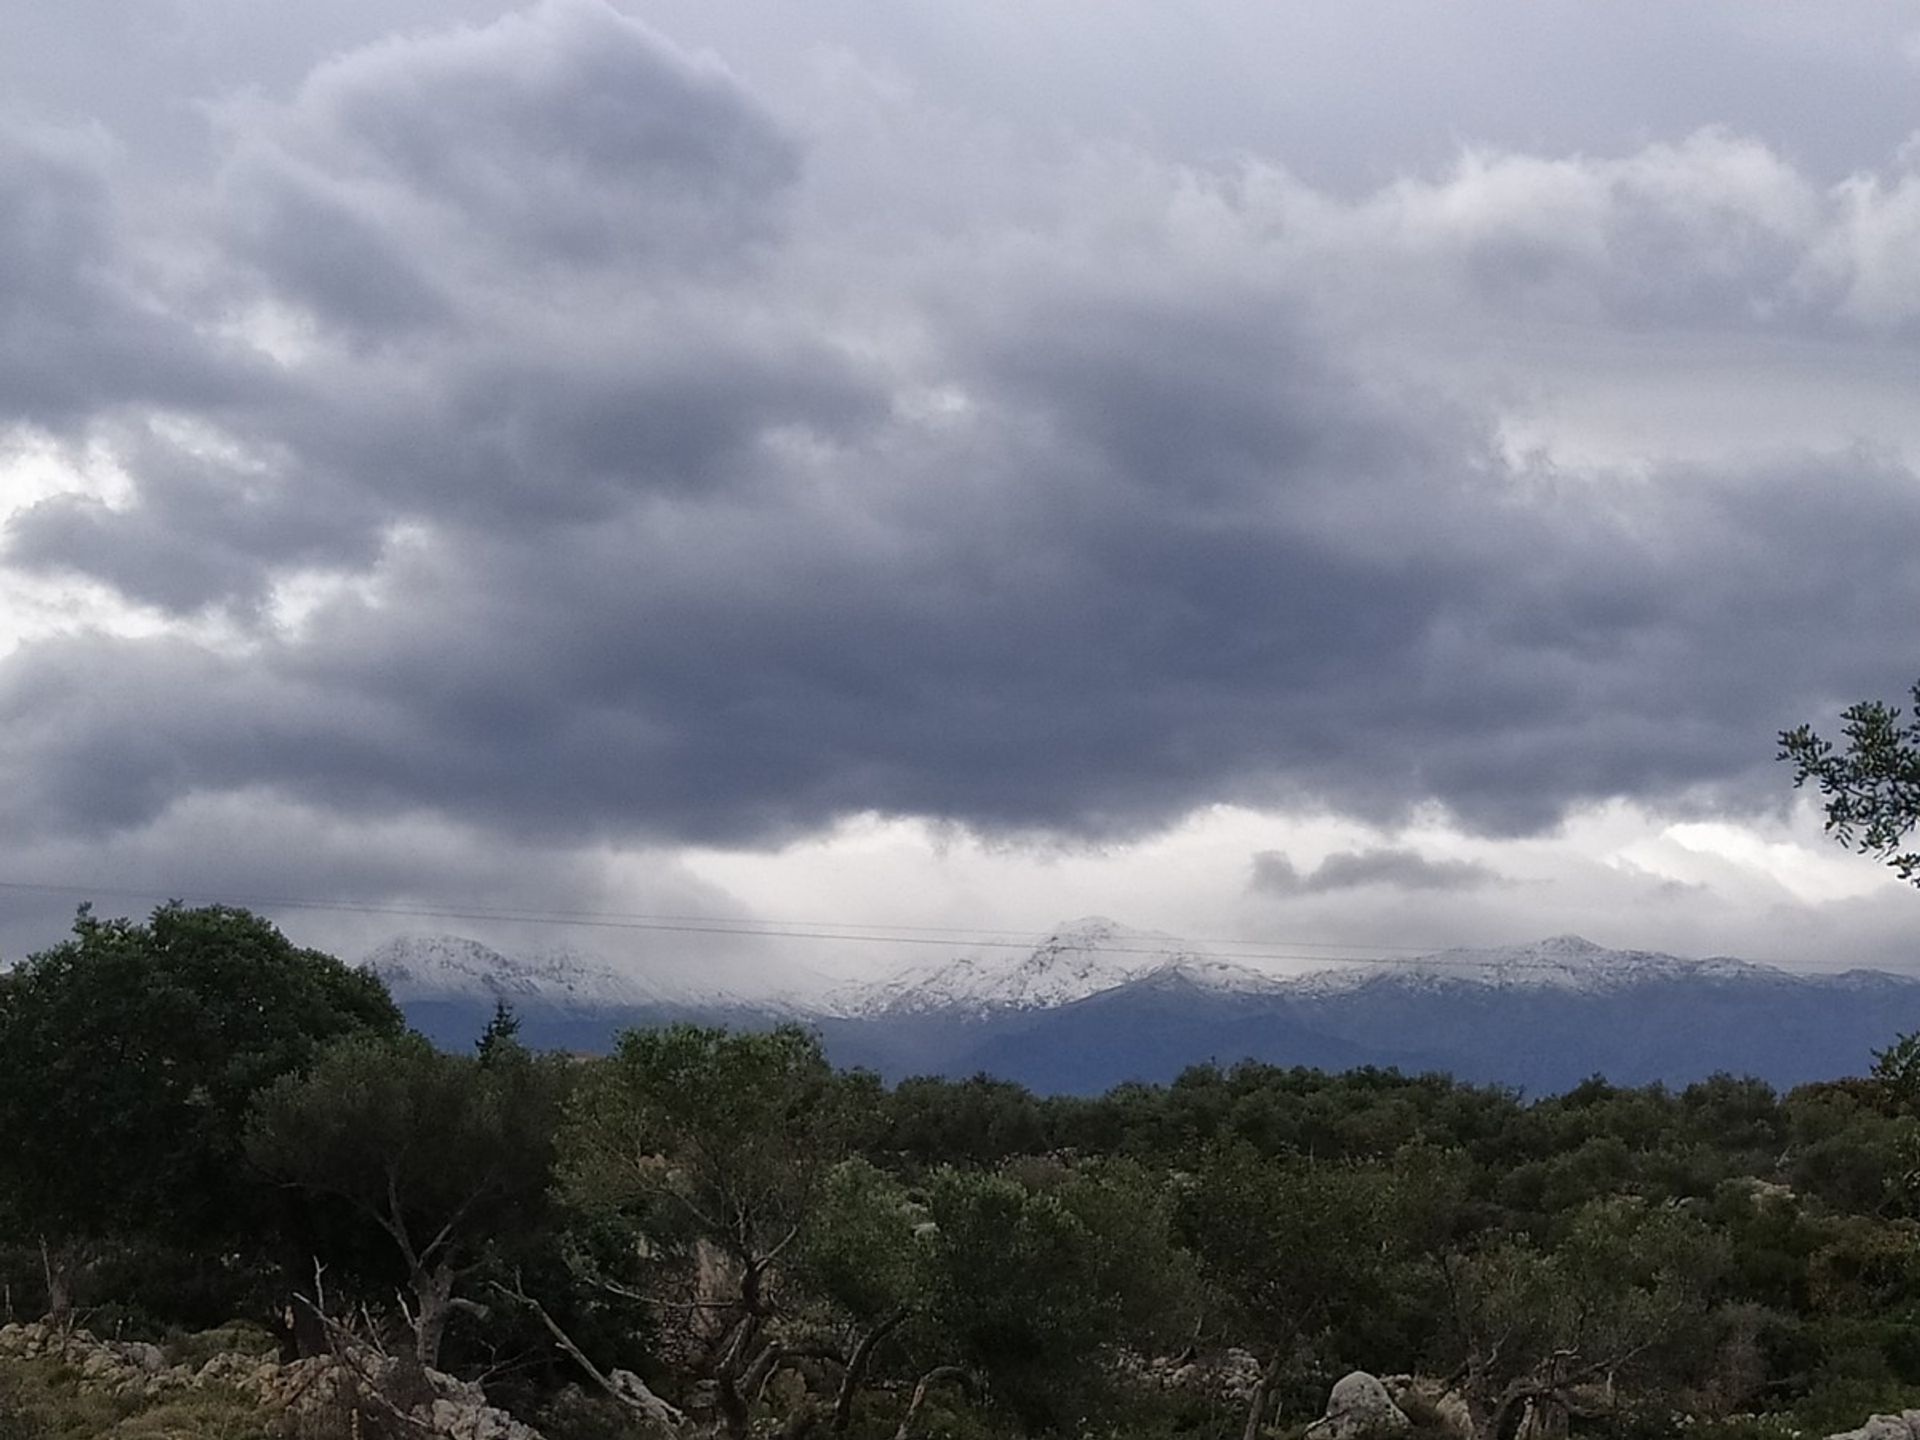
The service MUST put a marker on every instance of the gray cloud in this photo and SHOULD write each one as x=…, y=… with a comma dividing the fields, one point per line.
x=688, y=508
x=1399, y=869
x=509, y=157
x=79, y=332
x=202, y=529
x=405, y=872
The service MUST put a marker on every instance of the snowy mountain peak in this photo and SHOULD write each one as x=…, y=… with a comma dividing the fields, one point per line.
x=452, y=967
x=1093, y=955
x=424, y=966
x=1561, y=962
x=1072, y=961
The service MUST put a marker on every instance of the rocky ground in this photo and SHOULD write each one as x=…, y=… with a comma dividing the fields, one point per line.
x=356, y=1392
x=137, y=1392
x=1362, y=1407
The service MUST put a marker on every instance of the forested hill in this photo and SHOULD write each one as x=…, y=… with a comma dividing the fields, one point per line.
x=719, y=1233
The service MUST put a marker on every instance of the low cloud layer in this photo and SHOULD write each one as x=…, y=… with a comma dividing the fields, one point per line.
x=534, y=427
x=1274, y=873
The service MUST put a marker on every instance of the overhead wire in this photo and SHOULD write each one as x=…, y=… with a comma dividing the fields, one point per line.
x=1272, y=949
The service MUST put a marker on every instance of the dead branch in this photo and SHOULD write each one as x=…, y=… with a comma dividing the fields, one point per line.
x=939, y=1375
x=856, y=1372
x=623, y=1385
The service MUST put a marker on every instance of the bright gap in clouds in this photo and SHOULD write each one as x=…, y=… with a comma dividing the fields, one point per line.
x=35, y=467
x=38, y=605
x=1617, y=873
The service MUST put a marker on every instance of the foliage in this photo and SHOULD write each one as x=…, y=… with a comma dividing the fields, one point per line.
x=1872, y=785
x=445, y=1155
x=129, y=1055
x=1030, y=1285
x=710, y=1150
x=501, y=1039
x=770, y=1246
x=862, y=1253
x=1295, y=1247
x=696, y=1130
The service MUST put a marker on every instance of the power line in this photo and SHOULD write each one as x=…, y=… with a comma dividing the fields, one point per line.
x=632, y=919
x=856, y=934
x=838, y=931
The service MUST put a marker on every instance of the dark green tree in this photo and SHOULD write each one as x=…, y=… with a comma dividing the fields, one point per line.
x=129, y=1057
x=501, y=1038
x=1549, y=1333
x=712, y=1148
x=444, y=1154
x=1293, y=1247
x=1871, y=784
x=1034, y=1281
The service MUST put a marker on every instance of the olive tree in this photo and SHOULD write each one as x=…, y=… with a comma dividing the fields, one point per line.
x=1561, y=1331
x=443, y=1154
x=711, y=1149
x=1035, y=1282
x=1293, y=1247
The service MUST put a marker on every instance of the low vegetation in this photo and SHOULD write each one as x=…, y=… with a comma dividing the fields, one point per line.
x=709, y=1232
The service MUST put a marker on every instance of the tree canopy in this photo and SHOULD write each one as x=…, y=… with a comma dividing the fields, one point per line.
x=445, y=1155
x=1871, y=780
x=720, y=1233
x=131, y=1053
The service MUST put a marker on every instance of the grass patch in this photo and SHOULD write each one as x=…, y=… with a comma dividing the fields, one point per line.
x=194, y=1349
x=44, y=1400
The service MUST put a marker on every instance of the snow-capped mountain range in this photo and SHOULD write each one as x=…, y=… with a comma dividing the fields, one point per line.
x=1072, y=962
x=1088, y=957
x=451, y=967
x=1567, y=963
x=1083, y=958
x=438, y=967
x=1093, y=1002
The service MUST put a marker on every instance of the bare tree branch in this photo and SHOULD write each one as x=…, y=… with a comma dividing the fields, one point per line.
x=856, y=1372
x=939, y=1375
x=623, y=1385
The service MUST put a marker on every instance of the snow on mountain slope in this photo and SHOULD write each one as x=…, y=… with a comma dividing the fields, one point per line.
x=1563, y=962
x=451, y=967
x=1078, y=959
x=1074, y=961
x=1220, y=975
x=1093, y=956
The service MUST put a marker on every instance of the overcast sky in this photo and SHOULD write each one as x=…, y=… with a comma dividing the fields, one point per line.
x=1367, y=474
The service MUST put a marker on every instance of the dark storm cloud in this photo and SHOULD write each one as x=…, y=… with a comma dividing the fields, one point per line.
x=78, y=332
x=404, y=872
x=1399, y=869
x=563, y=138
x=676, y=527
x=515, y=233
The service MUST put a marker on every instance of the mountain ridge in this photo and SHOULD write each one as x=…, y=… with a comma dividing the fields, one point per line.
x=1092, y=1002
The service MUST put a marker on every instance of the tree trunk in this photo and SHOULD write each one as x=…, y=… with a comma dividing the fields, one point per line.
x=57, y=1263
x=433, y=1297
x=736, y=1408
x=856, y=1372
x=1497, y=1418
x=734, y=1414
x=1262, y=1395
x=306, y=1331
